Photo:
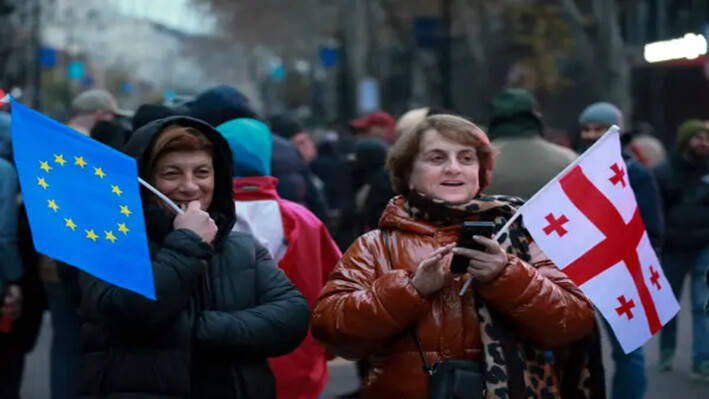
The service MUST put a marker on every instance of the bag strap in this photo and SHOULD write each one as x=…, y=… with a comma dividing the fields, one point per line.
x=412, y=331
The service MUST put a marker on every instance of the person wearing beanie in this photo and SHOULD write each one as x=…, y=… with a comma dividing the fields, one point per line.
x=221, y=104
x=684, y=183
x=516, y=131
x=296, y=239
x=596, y=119
x=629, y=379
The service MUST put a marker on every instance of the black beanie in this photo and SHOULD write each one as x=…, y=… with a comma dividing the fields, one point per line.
x=285, y=126
x=147, y=113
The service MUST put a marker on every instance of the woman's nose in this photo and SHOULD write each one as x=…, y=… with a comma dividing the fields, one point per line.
x=453, y=166
x=190, y=184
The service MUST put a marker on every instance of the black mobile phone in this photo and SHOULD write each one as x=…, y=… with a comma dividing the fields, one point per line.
x=460, y=263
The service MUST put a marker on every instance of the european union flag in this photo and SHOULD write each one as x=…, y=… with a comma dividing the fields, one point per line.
x=82, y=200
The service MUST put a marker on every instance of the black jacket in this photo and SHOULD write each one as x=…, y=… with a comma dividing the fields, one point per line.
x=647, y=195
x=685, y=191
x=295, y=180
x=221, y=309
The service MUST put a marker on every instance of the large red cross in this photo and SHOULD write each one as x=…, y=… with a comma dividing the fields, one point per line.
x=620, y=243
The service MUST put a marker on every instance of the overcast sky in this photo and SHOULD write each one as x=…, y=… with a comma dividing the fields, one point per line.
x=179, y=14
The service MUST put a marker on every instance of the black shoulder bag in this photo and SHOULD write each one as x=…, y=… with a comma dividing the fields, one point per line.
x=449, y=378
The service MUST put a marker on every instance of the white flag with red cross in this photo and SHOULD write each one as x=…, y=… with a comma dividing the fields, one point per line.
x=588, y=223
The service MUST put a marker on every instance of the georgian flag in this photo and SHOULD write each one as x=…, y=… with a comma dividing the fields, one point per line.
x=588, y=223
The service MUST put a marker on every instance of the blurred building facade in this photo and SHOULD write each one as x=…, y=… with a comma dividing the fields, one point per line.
x=669, y=92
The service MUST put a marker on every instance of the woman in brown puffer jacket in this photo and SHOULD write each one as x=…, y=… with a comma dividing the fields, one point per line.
x=396, y=280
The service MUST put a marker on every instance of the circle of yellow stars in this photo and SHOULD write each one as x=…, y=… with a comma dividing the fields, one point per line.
x=68, y=222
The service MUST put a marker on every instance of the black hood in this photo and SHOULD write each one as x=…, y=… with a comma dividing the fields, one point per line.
x=222, y=207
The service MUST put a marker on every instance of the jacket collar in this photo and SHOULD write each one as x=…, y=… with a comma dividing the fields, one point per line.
x=396, y=216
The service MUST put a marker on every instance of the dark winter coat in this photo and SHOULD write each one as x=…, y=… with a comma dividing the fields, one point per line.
x=647, y=194
x=222, y=309
x=295, y=180
x=685, y=192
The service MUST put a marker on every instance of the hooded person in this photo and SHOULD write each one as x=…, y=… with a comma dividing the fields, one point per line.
x=516, y=130
x=223, y=306
x=297, y=240
x=684, y=184
x=221, y=104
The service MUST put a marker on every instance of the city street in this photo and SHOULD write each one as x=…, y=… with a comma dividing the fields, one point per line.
x=675, y=385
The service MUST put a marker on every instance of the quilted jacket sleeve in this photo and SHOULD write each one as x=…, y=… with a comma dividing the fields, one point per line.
x=360, y=310
x=275, y=327
x=177, y=269
x=544, y=304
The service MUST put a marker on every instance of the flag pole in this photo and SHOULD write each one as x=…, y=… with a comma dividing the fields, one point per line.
x=517, y=214
x=161, y=196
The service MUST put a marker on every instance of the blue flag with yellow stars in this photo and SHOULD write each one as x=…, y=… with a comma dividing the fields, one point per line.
x=82, y=200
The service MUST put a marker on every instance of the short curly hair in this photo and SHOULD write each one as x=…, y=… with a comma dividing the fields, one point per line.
x=402, y=155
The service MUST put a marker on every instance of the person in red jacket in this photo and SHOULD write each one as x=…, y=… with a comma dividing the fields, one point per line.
x=297, y=240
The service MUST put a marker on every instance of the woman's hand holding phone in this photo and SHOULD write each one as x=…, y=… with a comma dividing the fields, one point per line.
x=484, y=266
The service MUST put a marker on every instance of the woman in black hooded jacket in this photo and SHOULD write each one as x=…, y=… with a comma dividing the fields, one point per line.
x=223, y=305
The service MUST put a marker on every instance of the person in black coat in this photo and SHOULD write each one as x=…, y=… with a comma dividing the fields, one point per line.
x=223, y=305
x=684, y=183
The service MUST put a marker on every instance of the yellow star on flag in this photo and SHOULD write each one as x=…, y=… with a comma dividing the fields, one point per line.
x=53, y=205
x=80, y=161
x=91, y=235
x=98, y=172
x=116, y=190
x=123, y=229
x=125, y=210
x=59, y=159
x=41, y=182
x=110, y=236
x=70, y=224
x=44, y=165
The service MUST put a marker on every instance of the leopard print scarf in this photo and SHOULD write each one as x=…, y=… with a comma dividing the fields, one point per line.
x=514, y=368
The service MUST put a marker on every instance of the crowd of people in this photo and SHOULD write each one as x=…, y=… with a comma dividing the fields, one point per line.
x=295, y=248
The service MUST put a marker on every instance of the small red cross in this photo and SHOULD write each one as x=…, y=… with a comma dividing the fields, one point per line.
x=556, y=225
x=625, y=307
x=655, y=278
x=619, y=176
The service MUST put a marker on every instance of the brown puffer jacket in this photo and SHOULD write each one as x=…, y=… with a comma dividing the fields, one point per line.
x=366, y=309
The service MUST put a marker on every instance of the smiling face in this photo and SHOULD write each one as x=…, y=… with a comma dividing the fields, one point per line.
x=185, y=176
x=445, y=169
